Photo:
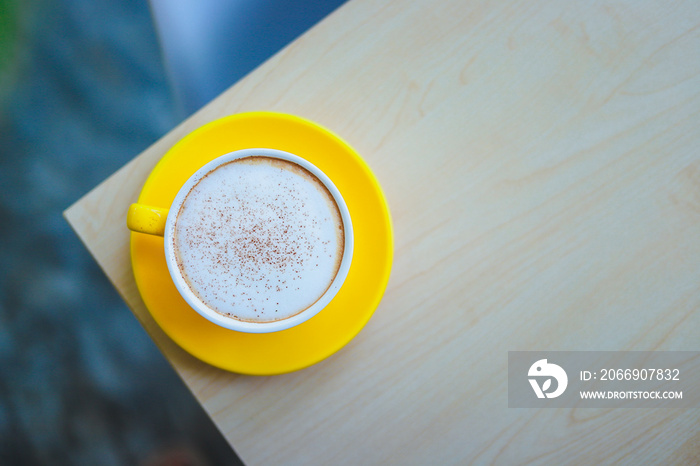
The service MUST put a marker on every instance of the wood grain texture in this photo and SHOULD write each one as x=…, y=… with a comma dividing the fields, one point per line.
x=540, y=159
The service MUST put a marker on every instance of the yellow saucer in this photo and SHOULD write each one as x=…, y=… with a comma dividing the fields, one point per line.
x=330, y=329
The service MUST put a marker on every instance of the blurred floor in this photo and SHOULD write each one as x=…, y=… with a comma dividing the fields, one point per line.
x=82, y=91
x=209, y=44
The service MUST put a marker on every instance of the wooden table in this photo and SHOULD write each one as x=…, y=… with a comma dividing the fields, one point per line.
x=541, y=161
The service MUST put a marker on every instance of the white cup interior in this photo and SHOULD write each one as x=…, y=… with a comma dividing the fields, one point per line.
x=229, y=322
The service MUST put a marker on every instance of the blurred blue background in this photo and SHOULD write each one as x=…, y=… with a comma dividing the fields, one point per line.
x=85, y=86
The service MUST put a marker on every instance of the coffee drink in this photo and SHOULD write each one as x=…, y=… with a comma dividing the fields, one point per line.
x=258, y=239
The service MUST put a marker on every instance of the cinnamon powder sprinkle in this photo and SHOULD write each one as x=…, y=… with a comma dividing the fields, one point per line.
x=250, y=227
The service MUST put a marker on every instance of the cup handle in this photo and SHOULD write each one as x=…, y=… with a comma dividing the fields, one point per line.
x=147, y=219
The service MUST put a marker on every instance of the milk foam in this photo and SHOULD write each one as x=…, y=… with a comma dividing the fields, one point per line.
x=259, y=239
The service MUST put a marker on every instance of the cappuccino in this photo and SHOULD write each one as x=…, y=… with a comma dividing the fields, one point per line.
x=258, y=239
